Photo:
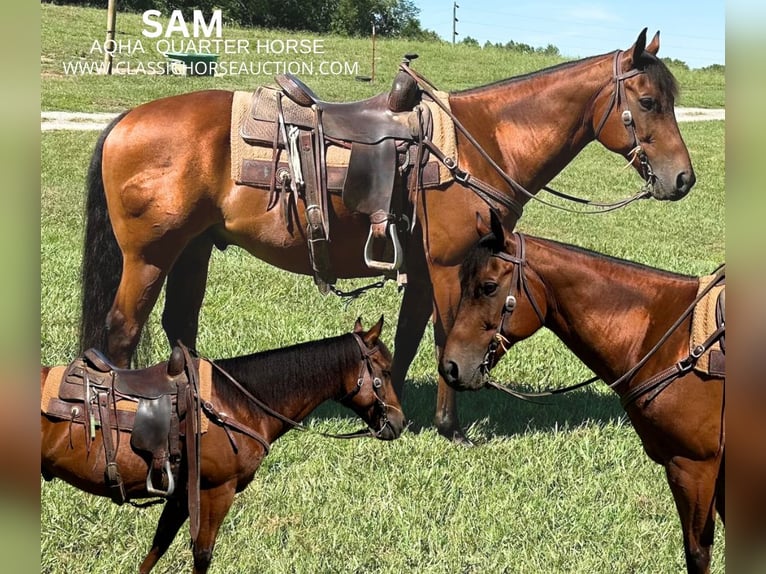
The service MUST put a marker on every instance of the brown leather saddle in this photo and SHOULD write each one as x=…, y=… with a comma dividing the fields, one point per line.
x=383, y=134
x=158, y=405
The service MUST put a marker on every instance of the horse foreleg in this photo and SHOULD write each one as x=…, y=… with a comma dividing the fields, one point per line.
x=173, y=516
x=140, y=285
x=446, y=289
x=417, y=305
x=693, y=485
x=214, y=505
x=185, y=292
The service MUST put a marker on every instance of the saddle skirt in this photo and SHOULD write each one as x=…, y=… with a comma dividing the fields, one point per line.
x=53, y=405
x=252, y=151
x=709, y=314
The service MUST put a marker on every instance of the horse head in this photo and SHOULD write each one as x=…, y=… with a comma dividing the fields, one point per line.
x=370, y=392
x=634, y=115
x=501, y=303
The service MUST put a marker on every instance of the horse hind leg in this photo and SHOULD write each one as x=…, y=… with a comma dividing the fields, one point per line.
x=174, y=514
x=140, y=285
x=185, y=291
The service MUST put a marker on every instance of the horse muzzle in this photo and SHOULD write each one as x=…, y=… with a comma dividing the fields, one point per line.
x=455, y=376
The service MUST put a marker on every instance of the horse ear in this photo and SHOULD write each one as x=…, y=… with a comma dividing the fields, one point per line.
x=654, y=45
x=639, y=46
x=371, y=337
x=358, y=325
x=496, y=225
x=482, y=227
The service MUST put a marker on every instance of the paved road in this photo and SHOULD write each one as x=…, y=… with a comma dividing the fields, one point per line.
x=97, y=121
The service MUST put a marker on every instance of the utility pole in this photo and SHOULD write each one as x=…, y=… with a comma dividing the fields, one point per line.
x=454, y=21
x=111, y=18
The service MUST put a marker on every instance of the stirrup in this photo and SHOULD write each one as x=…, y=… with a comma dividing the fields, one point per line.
x=158, y=492
x=384, y=265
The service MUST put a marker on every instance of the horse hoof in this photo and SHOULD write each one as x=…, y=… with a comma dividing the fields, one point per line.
x=456, y=435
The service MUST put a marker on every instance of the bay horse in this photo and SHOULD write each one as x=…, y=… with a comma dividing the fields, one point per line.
x=292, y=381
x=160, y=196
x=609, y=313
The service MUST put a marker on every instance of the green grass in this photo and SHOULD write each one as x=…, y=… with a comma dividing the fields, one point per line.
x=68, y=34
x=563, y=487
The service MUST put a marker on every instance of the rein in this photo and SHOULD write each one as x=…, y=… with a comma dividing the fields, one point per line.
x=656, y=383
x=489, y=193
x=366, y=372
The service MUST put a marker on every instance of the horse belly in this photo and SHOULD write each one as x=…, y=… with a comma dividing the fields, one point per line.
x=263, y=233
x=84, y=468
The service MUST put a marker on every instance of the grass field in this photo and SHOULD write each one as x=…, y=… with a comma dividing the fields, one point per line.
x=563, y=487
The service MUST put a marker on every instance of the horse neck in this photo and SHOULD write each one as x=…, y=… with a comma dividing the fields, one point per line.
x=534, y=125
x=609, y=312
x=292, y=381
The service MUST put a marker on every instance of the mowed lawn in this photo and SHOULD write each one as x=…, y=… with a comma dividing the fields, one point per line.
x=555, y=488
x=562, y=487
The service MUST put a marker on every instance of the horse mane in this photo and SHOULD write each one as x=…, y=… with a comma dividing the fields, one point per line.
x=478, y=256
x=527, y=76
x=297, y=369
x=654, y=68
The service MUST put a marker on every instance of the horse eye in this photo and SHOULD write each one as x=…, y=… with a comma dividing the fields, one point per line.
x=489, y=288
x=646, y=103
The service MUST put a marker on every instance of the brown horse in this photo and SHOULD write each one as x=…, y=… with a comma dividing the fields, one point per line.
x=610, y=313
x=292, y=381
x=161, y=196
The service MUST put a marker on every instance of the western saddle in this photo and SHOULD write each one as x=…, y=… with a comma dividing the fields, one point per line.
x=158, y=405
x=385, y=136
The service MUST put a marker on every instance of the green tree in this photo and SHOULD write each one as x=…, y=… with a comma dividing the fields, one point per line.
x=390, y=17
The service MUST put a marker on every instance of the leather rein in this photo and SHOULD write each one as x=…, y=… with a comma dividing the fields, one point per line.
x=655, y=384
x=488, y=193
x=367, y=373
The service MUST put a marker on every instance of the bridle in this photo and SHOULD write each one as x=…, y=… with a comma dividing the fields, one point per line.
x=619, y=100
x=367, y=373
x=519, y=284
x=493, y=196
x=652, y=386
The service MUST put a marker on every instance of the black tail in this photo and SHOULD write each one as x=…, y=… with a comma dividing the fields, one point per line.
x=101, y=259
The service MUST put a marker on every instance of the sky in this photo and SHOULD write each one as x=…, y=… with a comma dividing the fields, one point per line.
x=691, y=31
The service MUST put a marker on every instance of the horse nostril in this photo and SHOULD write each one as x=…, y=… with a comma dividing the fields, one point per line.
x=685, y=181
x=450, y=371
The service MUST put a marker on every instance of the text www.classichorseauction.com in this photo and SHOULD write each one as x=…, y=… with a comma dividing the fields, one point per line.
x=54, y=120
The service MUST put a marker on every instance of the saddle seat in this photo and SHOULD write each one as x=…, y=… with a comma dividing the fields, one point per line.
x=149, y=383
x=384, y=116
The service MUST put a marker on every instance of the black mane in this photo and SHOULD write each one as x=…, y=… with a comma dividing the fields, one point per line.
x=297, y=369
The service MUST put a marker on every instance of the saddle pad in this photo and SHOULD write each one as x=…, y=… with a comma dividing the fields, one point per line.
x=704, y=323
x=337, y=157
x=241, y=150
x=56, y=374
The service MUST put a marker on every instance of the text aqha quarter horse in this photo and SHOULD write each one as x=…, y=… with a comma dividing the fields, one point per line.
x=353, y=369
x=161, y=196
x=610, y=313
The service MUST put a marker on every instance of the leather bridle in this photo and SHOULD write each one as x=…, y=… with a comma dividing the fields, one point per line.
x=519, y=284
x=367, y=372
x=654, y=385
x=619, y=100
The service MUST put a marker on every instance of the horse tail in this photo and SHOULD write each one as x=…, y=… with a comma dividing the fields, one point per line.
x=102, y=257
